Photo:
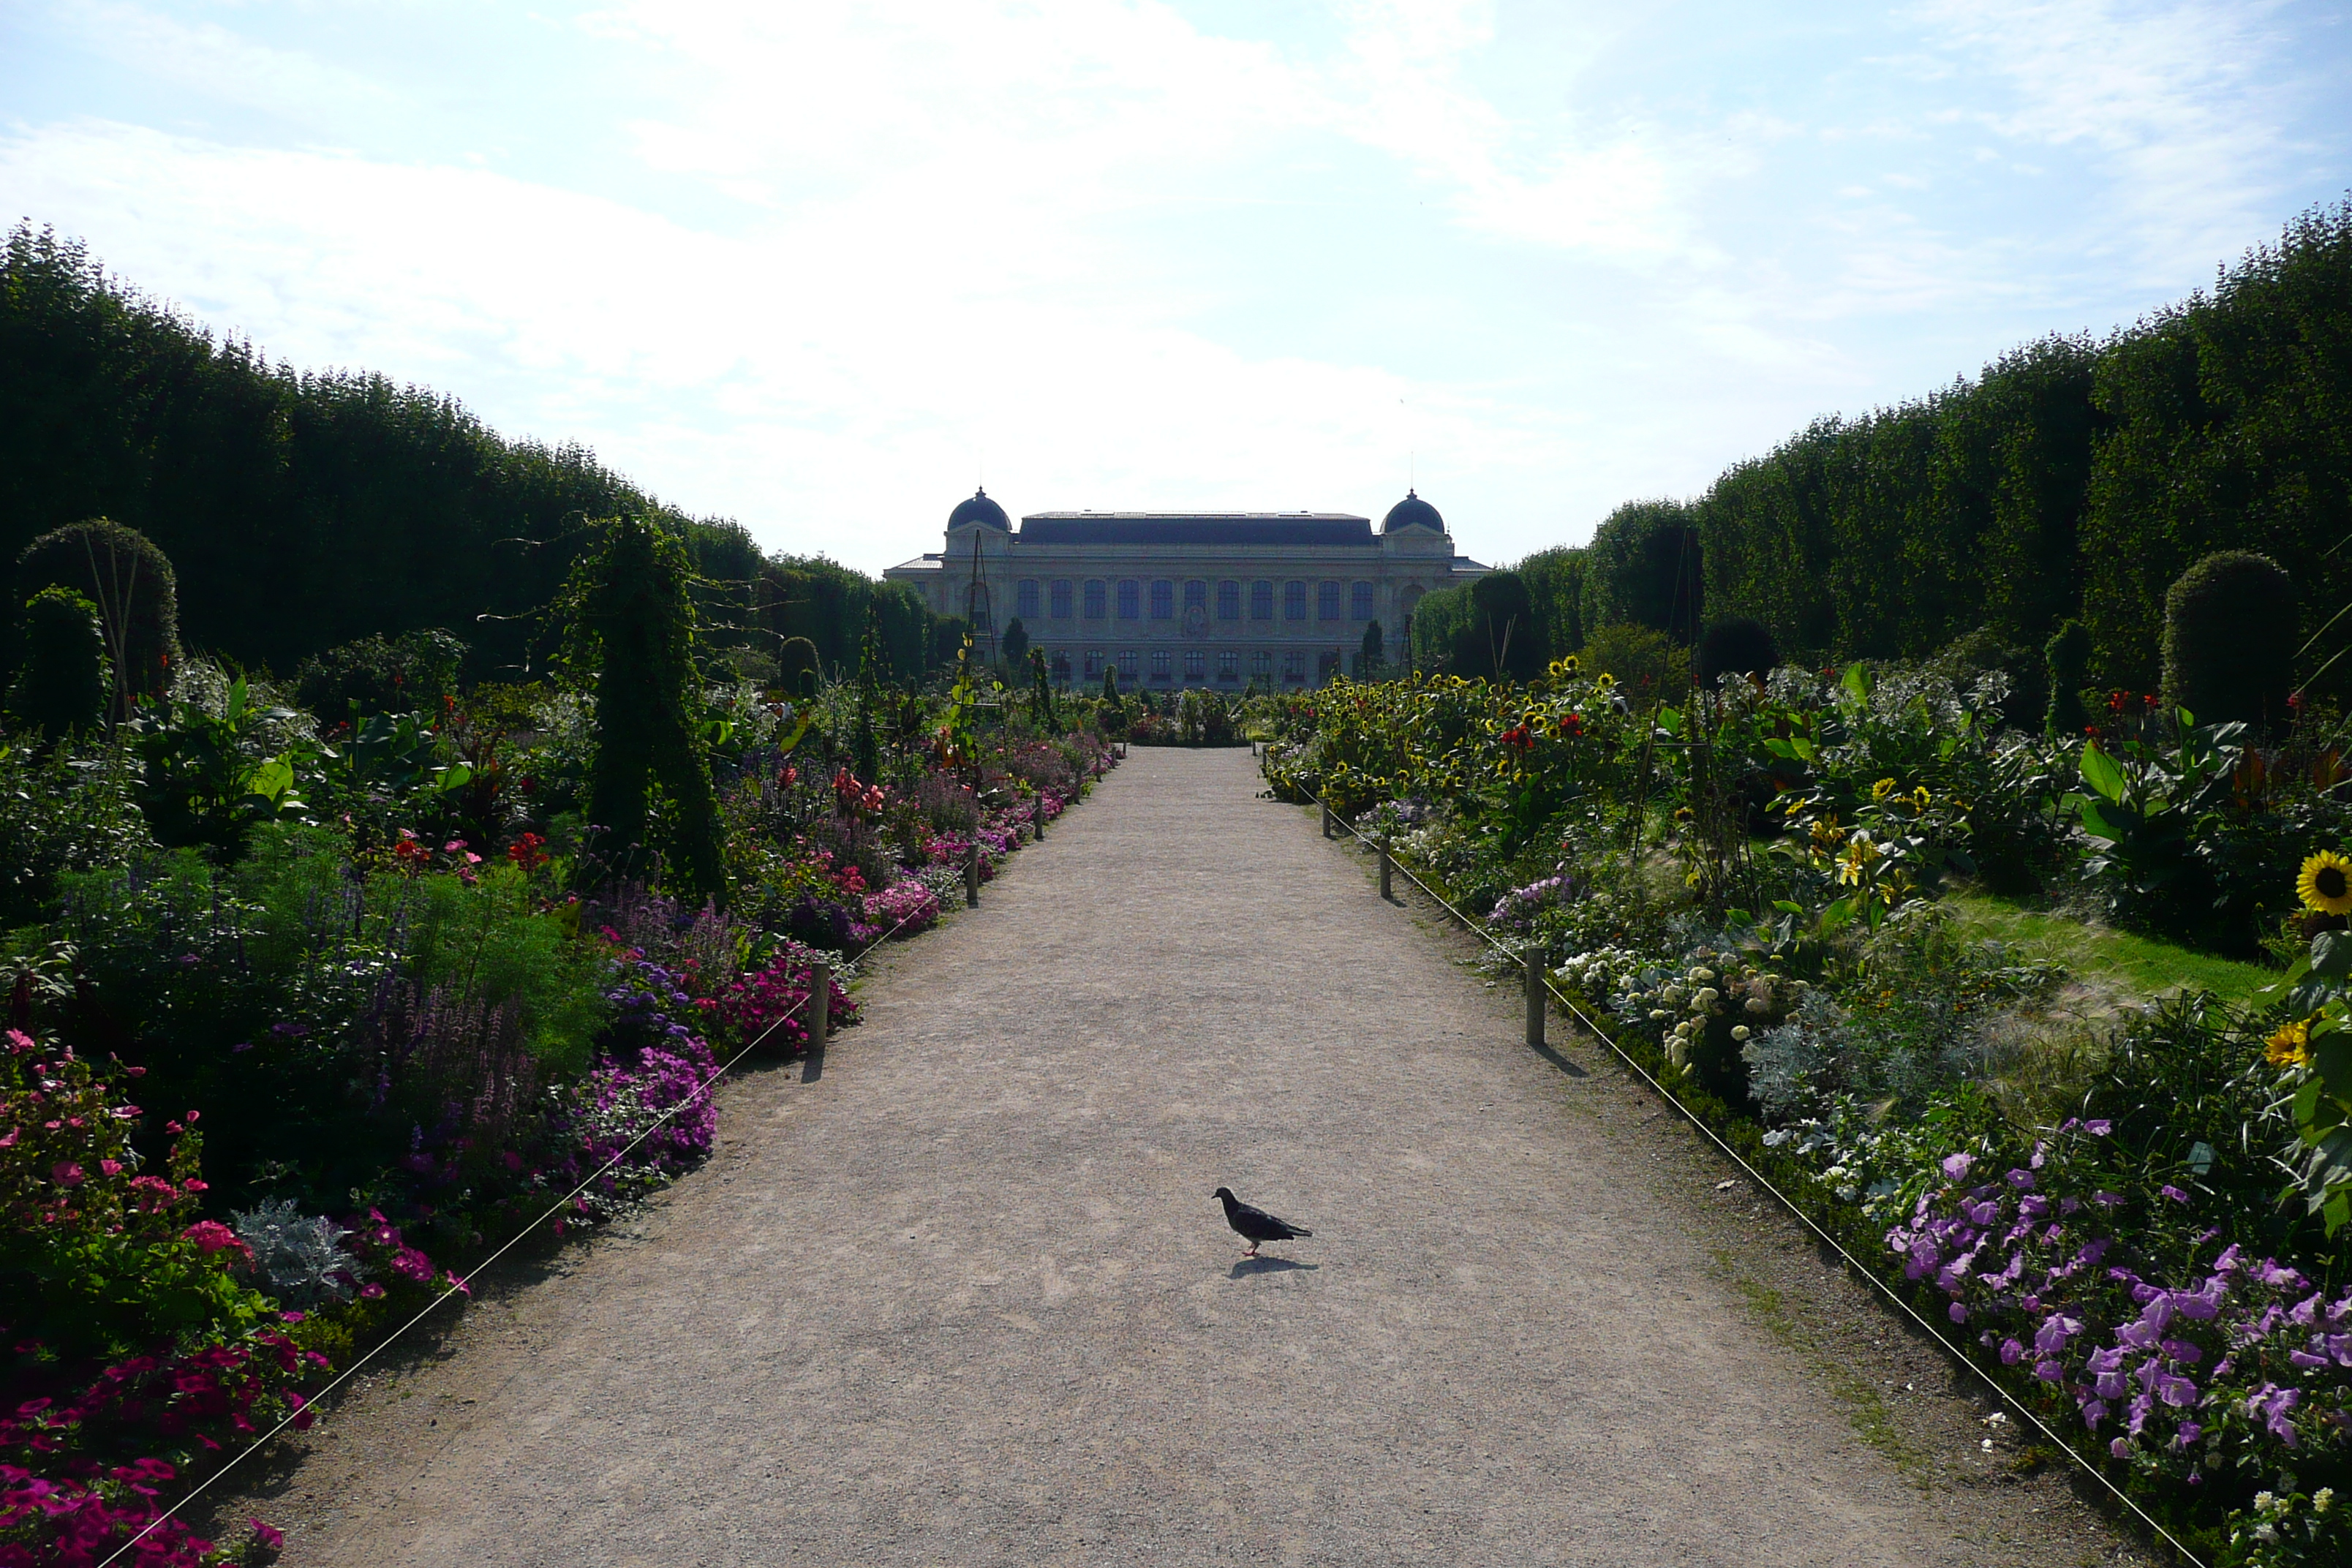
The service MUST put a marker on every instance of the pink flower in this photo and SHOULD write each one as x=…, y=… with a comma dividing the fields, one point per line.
x=271, y=1539
x=214, y=1236
x=66, y=1174
x=370, y=1291
x=111, y=1167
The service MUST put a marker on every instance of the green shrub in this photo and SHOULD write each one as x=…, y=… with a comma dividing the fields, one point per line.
x=132, y=583
x=1736, y=646
x=2067, y=657
x=2229, y=640
x=1645, y=663
x=60, y=813
x=60, y=687
x=410, y=673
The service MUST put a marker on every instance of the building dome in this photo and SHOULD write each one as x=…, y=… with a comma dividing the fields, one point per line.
x=980, y=513
x=1412, y=513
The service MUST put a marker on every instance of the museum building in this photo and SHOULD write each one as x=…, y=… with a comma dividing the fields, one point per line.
x=1211, y=599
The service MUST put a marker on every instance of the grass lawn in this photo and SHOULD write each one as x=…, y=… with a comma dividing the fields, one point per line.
x=2144, y=966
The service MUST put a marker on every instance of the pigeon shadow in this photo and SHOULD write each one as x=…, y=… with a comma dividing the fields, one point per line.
x=1249, y=1267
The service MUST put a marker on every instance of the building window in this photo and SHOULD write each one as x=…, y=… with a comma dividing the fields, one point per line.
x=1127, y=665
x=1094, y=659
x=1159, y=664
x=1163, y=600
x=1294, y=664
x=1261, y=664
x=1229, y=664
x=1130, y=599
x=1261, y=601
x=1196, y=665
x=977, y=602
x=1229, y=600
x=1294, y=600
x=1196, y=596
x=1095, y=605
x=1327, y=601
x=1058, y=596
x=1061, y=668
x=1359, y=601
x=1024, y=598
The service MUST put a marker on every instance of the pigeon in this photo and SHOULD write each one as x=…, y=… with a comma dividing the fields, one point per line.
x=1256, y=1223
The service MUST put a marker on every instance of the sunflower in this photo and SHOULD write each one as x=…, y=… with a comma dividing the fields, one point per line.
x=2290, y=1046
x=1920, y=797
x=2324, y=884
x=1882, y=789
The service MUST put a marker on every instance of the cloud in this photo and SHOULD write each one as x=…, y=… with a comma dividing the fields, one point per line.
x=213, y=60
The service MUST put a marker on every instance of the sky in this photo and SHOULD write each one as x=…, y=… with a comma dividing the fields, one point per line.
x=824, y=268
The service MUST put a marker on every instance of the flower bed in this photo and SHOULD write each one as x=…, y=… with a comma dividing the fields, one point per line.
x=1743, y=895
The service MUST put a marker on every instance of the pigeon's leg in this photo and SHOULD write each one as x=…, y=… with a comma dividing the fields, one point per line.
x=1252, y=1252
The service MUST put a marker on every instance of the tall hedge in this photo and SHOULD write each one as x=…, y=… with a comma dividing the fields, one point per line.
x=1891, y=534
x=1646, y=567
x=2232, y=416
x=1556, y=585
x=308, y=510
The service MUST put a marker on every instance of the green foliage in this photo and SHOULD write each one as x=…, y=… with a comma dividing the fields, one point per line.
x=2067, y=657
x=204, y=779
x=1646, y=664
x=634, y=622
x=2232, y=429
x=1015, y=643
x=132, y=585
x=61, y=684
x=1042, y=712
x=798, y=667
x=414, y=672
x=1645, y=567
x=1439, y=623
x=1736, y=645
x=1371, y=654
x=62, y=813
x=1556, y=586
x=2229, y=639
x=1503, y=640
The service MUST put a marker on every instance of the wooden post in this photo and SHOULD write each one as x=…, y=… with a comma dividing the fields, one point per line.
x=1388, y=872
x=1534, y=964
x=820, y=1014
x=971, y=875
x=1327, y=819
x=1040, y=814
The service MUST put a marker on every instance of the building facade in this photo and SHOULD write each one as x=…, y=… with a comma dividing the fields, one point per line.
x=1178, y=599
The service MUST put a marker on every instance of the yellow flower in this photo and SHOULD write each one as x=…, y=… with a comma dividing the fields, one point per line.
x=1854, y=859
x=1606, y=680
x=1920, y=797
x=2325, y=883
x=1882, y=789
x=1567, y=665
x=2290, y=1046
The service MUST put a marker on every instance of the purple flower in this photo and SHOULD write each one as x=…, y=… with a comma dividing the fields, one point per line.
x=1956, y=1166
x=1958, y=1313
x=2175, y=1194
x=2098, y=1128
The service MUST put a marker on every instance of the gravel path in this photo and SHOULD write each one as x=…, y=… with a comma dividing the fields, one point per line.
x=965, y=1298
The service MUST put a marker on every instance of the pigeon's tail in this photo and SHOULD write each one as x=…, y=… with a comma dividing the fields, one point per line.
x=1300, y=1230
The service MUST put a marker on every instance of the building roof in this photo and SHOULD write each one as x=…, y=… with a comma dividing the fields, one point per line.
x=982, y=511
x=1413, y=512
x=1324, y=529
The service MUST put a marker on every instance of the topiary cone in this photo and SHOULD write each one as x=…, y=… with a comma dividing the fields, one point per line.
x=61, y=686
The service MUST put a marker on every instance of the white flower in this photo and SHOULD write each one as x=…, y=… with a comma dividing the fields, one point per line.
x=2263, y=1500
x=1702, y=974
x=1658, y=1015
x=1740, y=1031
x=1757, y=1005
x=2323, y=1500
x=1705, y=998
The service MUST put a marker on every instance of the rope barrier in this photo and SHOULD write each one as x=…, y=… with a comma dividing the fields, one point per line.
x=817, y=969
x=1868, y=1275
